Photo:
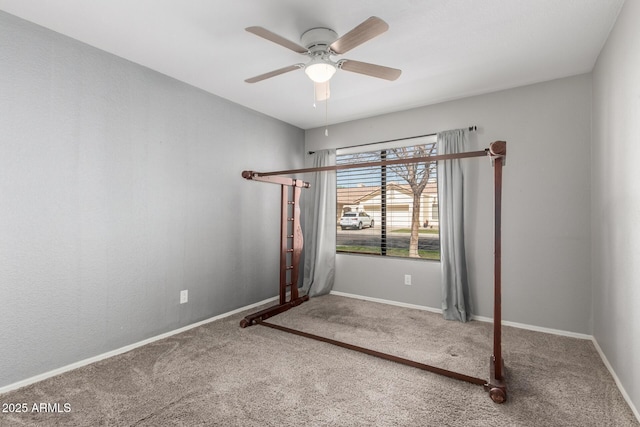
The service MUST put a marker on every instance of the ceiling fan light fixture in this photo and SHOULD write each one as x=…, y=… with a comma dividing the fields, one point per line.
x=320, y=71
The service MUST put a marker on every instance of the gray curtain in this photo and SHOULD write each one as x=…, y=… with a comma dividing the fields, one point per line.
x=455, y=286
x=320, y=226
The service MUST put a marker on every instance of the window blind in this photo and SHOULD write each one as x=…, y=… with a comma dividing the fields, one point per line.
x=388, y=210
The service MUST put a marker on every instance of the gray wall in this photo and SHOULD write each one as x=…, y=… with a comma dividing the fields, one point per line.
x=616, y=199
x=546, y=204
x=120, y=187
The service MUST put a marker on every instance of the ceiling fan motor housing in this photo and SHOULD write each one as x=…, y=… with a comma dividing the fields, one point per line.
x=318, y=39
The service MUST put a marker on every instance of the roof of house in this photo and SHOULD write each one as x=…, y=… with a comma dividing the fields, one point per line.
x=356, y=195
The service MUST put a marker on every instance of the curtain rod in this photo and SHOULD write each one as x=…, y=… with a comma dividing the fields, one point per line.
x=471, y=129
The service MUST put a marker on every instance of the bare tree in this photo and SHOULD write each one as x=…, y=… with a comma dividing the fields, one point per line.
x=417, y=176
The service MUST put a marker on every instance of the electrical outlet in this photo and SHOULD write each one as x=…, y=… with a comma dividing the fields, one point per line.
x=184, y=296
x=407, y=279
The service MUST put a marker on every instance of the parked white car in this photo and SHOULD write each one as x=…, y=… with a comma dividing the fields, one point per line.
x=357, y=220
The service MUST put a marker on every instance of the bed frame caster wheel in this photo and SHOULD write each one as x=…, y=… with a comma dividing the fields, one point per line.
x=498, y=395
x=244, y=323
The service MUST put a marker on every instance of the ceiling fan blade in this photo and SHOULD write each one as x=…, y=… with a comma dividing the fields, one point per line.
x=322, y=91
x=273, y=37
x=372, y=70
x=274, y=73
x=367, y=30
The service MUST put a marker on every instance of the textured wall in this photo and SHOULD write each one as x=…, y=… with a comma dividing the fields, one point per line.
x=616, y=200
x=120, y=187
x=546, y=210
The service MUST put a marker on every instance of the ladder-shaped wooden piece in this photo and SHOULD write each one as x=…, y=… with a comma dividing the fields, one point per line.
x=291, y=244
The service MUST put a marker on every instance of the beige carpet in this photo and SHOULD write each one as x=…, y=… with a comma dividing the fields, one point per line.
x=221, y=375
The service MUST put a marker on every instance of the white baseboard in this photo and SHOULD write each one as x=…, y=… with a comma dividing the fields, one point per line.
x=389, y=302
x=536, y=328
x=478, y=318
x=124, y=349
x=616, y=379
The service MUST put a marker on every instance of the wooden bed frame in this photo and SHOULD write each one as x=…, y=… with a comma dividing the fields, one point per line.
x=291, y=244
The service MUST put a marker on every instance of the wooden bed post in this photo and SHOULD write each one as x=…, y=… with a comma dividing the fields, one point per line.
x=497, y=386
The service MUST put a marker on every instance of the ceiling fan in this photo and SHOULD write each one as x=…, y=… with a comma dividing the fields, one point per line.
x=320, y=44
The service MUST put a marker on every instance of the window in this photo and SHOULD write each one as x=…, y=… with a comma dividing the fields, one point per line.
x=388, y=210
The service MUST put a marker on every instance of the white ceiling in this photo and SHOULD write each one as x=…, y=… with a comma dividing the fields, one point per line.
x=447, y=49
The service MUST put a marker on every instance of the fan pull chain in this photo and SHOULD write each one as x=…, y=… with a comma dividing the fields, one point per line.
x=314, y=96
x=326, y=112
